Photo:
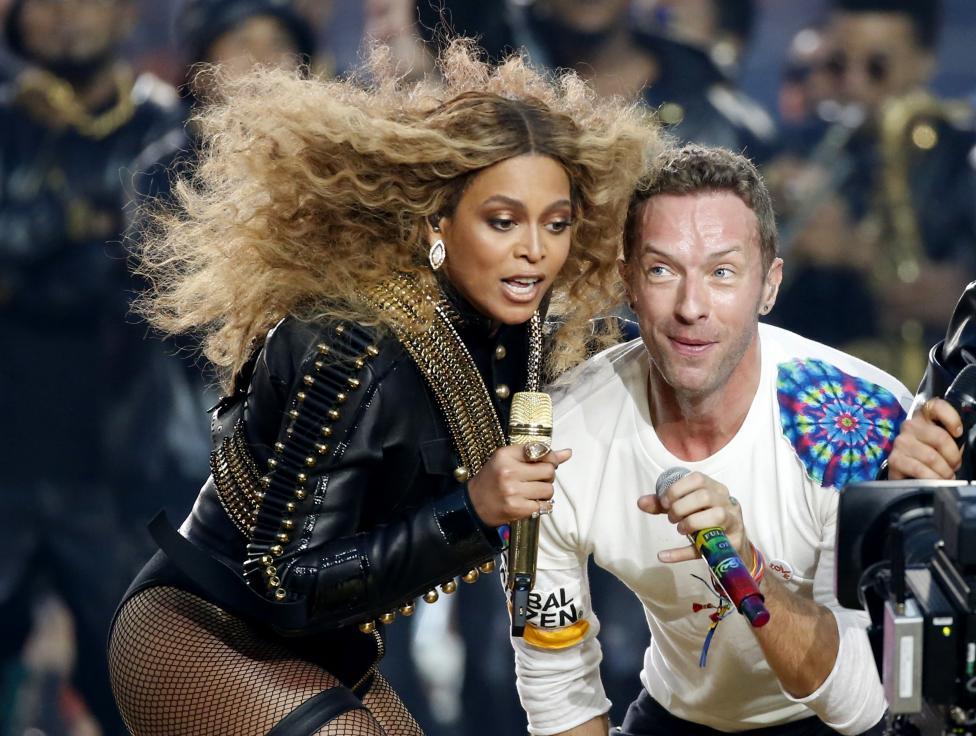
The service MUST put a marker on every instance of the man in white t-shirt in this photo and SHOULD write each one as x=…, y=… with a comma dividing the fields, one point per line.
x=770, y=424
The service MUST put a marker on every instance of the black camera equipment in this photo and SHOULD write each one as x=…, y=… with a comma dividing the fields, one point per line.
x=906, y=552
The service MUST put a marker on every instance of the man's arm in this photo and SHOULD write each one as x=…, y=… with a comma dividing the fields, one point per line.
x=598, y=726
x=818, y=651
x=801, y=640
x=557, y=662
x=842, y=687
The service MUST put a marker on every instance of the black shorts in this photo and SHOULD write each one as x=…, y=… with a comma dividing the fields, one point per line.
x=646, y=717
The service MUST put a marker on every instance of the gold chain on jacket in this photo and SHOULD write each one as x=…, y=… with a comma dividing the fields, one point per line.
x=447, y=365
x=54, y=101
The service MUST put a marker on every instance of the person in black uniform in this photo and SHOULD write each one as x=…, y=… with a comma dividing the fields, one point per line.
x=73, y=122
x=404, y=245
x=674, y=64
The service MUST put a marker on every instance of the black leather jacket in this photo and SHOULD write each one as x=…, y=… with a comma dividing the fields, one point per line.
x=948, y=357
x=379, y=517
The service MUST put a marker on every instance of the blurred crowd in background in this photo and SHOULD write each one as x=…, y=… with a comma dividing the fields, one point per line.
x=861, y=113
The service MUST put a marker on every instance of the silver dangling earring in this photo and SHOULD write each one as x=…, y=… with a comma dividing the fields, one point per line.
x=437, y=254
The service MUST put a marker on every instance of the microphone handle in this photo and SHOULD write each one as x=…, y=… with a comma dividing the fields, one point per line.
x=523, y=554
x=731, y=574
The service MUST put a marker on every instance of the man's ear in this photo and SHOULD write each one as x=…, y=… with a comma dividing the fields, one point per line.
x=770, y=289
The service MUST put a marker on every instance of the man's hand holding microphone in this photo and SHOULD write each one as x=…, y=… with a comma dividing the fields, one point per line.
x=703, y=509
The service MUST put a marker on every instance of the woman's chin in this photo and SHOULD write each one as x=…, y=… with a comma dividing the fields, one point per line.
x=509, y=314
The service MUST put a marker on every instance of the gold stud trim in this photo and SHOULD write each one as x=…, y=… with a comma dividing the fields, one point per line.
x=447, y=365
x=237, y=481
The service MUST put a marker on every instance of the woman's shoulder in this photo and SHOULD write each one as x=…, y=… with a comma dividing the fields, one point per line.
x=318, y=363
x=296, y=344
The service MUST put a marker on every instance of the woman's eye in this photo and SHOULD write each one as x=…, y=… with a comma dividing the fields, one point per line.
x=559, y=226
x=657, y=271
x=501, y=223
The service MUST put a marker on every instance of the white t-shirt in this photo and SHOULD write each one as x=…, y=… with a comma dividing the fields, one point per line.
x=820, y=419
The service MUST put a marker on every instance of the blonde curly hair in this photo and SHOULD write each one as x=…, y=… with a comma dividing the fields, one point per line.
x=308, y=192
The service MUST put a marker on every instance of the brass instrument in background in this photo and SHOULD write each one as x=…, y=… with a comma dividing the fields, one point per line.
x=907, y=126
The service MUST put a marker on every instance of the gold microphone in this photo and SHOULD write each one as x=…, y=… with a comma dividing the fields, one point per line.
x=529, y=425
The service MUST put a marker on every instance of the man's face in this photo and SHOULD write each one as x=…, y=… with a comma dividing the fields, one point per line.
x=73, y=32
x=696, y=283
x=692, y=21
x=259, y=40
x=876, y=56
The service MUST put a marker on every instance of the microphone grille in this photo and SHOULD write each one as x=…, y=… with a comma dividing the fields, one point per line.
x=531, y=409
x=669, y=477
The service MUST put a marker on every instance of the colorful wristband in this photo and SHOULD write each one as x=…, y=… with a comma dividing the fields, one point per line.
x=758, y=565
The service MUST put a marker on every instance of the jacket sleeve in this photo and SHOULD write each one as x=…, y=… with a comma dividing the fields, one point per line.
x=955, y=352
x=312, y=540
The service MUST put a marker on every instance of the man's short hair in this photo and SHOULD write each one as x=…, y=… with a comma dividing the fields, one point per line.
x=691, y=169
x=925, y=15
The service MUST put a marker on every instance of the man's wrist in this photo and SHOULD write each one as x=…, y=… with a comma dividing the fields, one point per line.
x=758, y=567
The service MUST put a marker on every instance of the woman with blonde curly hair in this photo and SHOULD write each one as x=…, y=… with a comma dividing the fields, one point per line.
x=405, y=247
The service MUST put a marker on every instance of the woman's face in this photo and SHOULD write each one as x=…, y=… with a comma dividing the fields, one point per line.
x=509, y=236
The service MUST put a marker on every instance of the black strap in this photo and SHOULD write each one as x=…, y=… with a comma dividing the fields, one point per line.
x=224, y=588
x=315, y=712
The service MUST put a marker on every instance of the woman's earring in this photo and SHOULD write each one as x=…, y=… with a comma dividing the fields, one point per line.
x=437, y=254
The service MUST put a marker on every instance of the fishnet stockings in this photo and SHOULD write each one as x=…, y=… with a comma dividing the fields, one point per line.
x=181, y=666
